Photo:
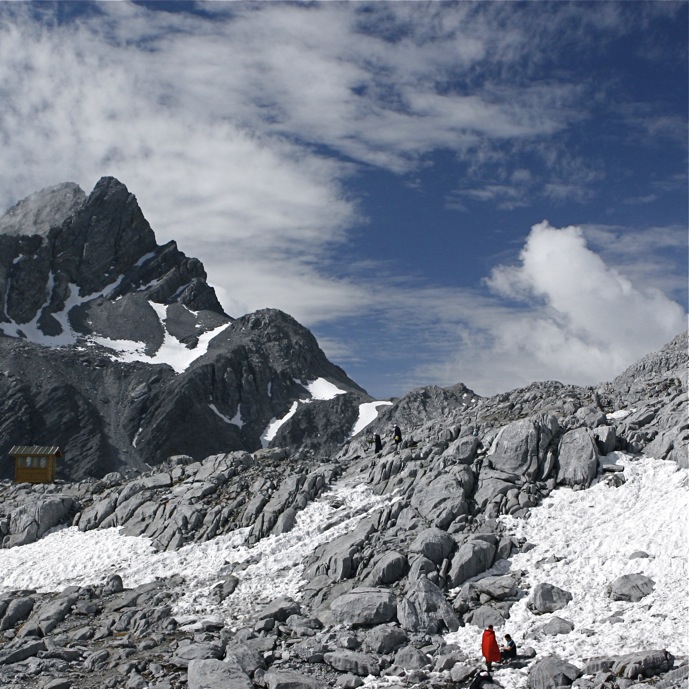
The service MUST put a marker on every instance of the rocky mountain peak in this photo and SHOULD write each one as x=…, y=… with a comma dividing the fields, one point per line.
x=42, y=210
x=117, y=349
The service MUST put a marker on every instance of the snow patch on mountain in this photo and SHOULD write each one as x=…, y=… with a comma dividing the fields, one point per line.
x=172, y=352
x=319, y=389
x=322, y=389
x=368, y=412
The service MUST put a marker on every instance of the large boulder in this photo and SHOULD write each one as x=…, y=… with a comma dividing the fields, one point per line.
x=360, y=664
x=472, y=558
x=424, y=609
x=441, y=498
x=631, y=587
x=32, y=520
x=498, y=587
x=362, y=607
x=388, y=569
x=646, y=663
x=521, y=447
x=550, y=673
x=548, y=598
x=433, y=544
x=217, y=674
x=280, y=609
x=411, y=658
x=577, y=458
x=384, y=639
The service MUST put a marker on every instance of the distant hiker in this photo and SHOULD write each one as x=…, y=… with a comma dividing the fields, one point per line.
x=490, y=648
x=377, y=444
x=397, y=437
x=509, y=649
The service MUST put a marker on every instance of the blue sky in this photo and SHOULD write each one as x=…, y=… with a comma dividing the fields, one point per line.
x=491, y=192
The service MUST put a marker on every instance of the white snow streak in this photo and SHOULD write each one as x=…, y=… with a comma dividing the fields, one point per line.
x=368, y=412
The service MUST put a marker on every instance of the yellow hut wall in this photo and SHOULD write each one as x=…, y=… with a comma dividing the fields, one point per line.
x=32, y=469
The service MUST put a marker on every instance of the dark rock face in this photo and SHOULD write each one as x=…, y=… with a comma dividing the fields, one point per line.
x=79, y=274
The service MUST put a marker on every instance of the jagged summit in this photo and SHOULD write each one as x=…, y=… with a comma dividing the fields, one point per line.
x=42, y=210
x=64, y=285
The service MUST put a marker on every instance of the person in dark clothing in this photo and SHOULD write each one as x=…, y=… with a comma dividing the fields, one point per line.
x=509, y=649
x=377, y=444
x=397, y=436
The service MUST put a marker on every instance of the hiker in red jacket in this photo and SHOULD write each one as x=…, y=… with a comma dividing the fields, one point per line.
x=490, y=648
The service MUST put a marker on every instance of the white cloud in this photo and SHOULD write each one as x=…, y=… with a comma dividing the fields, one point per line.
x=562, y=313
x=238, y=134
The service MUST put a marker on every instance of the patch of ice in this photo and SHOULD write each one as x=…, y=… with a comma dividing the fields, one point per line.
x=620, y=413
x=322, y=389
x=275, y=424
x=368, y=412
x=216, y=411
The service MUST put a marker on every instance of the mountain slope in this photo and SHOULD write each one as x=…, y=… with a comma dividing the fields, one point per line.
x=117, y=349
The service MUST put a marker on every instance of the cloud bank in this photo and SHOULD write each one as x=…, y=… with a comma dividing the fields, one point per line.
x=241, y=128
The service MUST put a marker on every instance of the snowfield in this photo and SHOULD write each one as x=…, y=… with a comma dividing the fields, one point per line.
x=586, y=537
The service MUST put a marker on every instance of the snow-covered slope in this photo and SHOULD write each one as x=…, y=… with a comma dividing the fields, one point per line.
x=582, y=540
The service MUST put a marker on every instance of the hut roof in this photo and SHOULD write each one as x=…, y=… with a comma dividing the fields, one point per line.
x=35, y=450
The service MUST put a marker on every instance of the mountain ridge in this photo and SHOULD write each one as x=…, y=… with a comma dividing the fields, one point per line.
x=104, y=330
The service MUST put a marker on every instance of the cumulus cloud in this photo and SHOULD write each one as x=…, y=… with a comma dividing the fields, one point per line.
x=560, y=313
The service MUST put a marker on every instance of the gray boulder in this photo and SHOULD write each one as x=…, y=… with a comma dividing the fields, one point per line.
x=424, y=609
x=548, y=598
x=441, y=497
x=646, y=663
x=411, y=658
x=631, y=587
x=384, y=639
x=288, y=679
x=550, y=673
x=591, y=416
x=32, y=520
x=362, y=607
x=497, y=588
x=486, y=615
x=388, y=569
x=471, y=559
x=184, y=655
x=433, y=544
x=17, y=611
x=521, y=447
x=21, y=650
x=360, y=664
x=280, y=609
x=217, y=674
x=606, y=438
x=556, y=625
x=577, y=459
x=50, y=613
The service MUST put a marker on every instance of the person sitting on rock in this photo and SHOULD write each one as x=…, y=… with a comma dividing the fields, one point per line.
x=490, y=648
x=508, y=650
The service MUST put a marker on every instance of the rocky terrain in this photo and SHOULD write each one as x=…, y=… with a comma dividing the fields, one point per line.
x=116, y=349
x=382, y=587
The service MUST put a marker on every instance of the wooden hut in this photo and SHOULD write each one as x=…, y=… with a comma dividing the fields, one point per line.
x=35, y=463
